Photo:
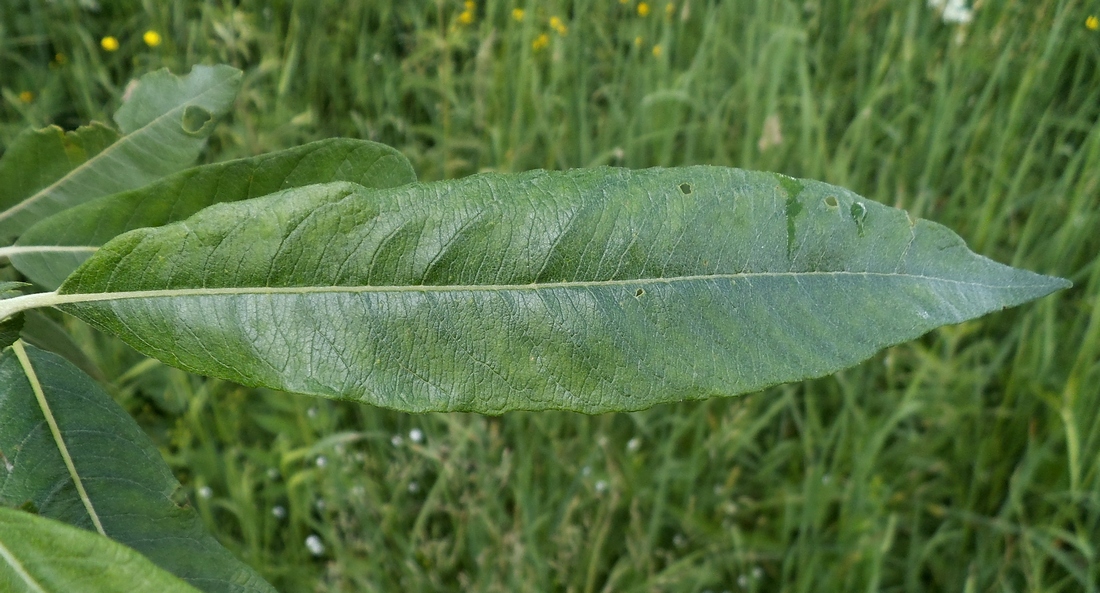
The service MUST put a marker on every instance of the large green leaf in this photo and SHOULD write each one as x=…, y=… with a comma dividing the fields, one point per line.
x=74, y=455
x=588, y=290
x=39, y=555
x=165, y=121
x=53, y=248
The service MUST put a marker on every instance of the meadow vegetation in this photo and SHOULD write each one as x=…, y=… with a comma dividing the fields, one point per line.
x=966, y=460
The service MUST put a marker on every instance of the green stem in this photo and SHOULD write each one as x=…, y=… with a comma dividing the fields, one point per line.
x=9, y=307
x=8, y=252
x=36, y=386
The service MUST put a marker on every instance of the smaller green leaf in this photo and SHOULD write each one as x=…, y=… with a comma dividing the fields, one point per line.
x=11, y=289
x=50, y=250
x=10, y=329
x=47, y=171
x=39, y=555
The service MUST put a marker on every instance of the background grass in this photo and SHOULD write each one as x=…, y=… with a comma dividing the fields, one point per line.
x=968, y=460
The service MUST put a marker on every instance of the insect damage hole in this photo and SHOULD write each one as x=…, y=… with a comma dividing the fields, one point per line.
x=639, y=293
x=685, y=188
x=831, y=202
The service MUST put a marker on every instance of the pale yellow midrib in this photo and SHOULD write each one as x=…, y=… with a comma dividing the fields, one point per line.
x=17, y=567
x=8, y=252
x=230, y=291
x=11, y=306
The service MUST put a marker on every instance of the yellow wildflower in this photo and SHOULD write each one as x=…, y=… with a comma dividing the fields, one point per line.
x=540, y=42
x=61, y=59
x=557, y=25
x=26, y=96
x=1092, y=23
x=638, y=41
x=669, y=9
x=623, y=1
x=151, y=38
x=643, y=9
x=466, y=17
x=470, y=5
x=517, y=13
x=657, y=51
x=109, y=43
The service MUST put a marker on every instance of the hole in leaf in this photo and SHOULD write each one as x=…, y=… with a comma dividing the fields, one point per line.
x=858, y=213
x=685, y=188
x=639, y=292
x=195, y=118
x=831, y=201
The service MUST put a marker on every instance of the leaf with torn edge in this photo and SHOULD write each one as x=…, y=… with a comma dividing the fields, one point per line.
x=164, y=124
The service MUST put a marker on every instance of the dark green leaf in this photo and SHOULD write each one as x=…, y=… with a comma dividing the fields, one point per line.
x=53, y=248
x=589, y=290
x=129, y=487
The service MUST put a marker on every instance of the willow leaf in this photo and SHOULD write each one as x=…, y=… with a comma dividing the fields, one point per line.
x=72, y=454
x=39, y=555
x=588, y=290
x=164, y=123
x=50, y=250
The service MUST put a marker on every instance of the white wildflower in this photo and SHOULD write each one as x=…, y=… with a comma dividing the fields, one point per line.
x=953, y=11
x=316, y=547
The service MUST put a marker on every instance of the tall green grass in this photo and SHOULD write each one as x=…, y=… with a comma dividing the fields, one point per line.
x=968, y=460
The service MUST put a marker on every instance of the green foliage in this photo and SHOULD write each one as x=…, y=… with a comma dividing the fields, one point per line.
x=100, y=472
x=963, y=460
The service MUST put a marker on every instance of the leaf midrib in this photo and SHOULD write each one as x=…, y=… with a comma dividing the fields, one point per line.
x=12, y=306
x=229, y=291
x=106, y=152
x=7, y=252
x=21, y=571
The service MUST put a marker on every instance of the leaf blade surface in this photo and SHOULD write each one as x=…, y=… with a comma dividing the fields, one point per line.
x=590, y=290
